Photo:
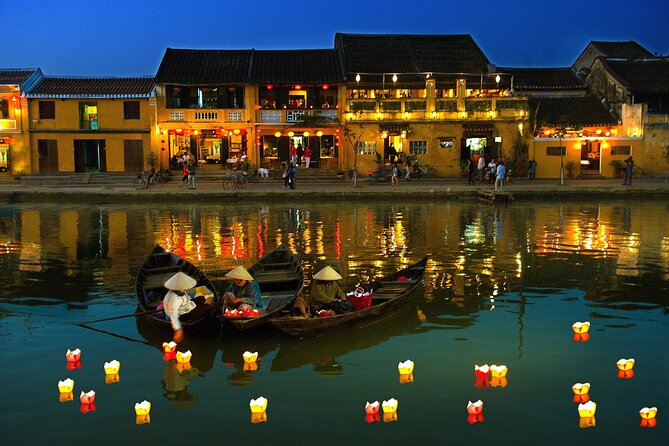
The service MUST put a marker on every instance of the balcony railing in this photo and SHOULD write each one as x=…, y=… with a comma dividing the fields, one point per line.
x=281, y=116
x=203, y=116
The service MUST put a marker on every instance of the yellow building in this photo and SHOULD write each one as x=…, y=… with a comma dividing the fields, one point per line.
x=14, y=143
x=89, y=125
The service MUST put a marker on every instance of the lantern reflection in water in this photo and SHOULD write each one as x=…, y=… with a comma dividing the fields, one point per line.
x=142, y=419
x=625, y=374
x=581, y=337
x=372, y=417
x=73, y=365
x=586, y=422
x=258, y=417
x=111, y=379
x=87, y=407
x=64, y=397
x=498, y=382
x=183, y=366
x=405, y=379
x=475, y=418
x=389, y=417
x=250, y=367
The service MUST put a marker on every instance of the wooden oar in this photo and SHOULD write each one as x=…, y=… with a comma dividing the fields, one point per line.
x=140, y=313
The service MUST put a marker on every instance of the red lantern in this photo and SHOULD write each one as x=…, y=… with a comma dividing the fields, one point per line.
x=270, y=86
x=298, y=87
x=236, y=132
x=325, y=86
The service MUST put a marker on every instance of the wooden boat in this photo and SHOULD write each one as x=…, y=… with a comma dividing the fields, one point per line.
x=390, y=293
x=280, y=277
x=158, y=267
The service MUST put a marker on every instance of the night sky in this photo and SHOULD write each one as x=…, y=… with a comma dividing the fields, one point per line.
x=129, y=37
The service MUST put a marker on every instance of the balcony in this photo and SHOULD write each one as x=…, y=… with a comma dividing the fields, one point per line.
x=202, y=115
x=7, y=124
x=289, y=116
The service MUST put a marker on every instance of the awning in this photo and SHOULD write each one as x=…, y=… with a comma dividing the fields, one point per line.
x=478, y=128
x=394, y=128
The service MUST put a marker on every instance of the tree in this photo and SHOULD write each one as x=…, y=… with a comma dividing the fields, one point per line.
x=353, y=139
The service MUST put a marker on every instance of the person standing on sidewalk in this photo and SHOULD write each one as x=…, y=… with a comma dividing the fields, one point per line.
x=292, y=171
x=470, y=172
x=501, y=173
x=307, y=156
x=481, y=168
x=629, y=170
x=191, y=174
x=532, y=169
x=492, y=170
x=396, y=175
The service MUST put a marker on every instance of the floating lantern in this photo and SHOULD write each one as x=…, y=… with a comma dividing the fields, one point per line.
x=406, y=367
x=586, y=422
x=389, y=406
x=581, y=337
x=648, y=413
x=587, y=409
x=475, y=408
x=184, y=357
x=580, y=327
x=143, y=408
x=250, y=357
x=498, y=370
x=389, y=417
x=183, y=366
x=372, y=408
x=64, y=397
x=498, y=381
x=73, y=365
x=73, y=355
x=66, y=386
x=250, y=367
x=143, y=419
x=169, y=350
x=482, y=372
x=625, y=374
x=112, y=367
x=580, y=388
x=651, y=422
x=87, y=407
x=87, y=397
x=372, y=417
x=111, y=379
x=475, y=418
x=405, y=379
x=258, y=417
x=625, y=364
x=258, y=405
x=583, y=398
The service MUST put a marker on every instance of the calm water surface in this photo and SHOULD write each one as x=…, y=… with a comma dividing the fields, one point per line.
x=503, y=286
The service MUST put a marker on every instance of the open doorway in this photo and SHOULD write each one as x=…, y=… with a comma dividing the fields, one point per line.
x=90, y=155
x=590, y=157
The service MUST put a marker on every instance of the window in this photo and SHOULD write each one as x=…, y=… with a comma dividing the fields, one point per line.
x=365, y=147
x=446, y=143
x=621, y=150
x=88, y=115
x=555, y=151
x=418, y=147
x=47, y=109
x=131, y=110
x=4, y=109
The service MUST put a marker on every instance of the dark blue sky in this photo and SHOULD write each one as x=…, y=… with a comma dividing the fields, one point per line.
x=129, y=37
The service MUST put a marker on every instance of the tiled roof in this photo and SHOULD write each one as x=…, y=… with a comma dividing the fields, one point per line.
x=97, y=87
x=642, y=75
x=295, y=66
x=622, y=50
x=544, y=79
x=197, y=67
x=15, y=76
x=571, y=110
x=408, y=55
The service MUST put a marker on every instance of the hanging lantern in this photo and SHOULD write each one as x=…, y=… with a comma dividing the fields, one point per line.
x=372, y=408
x=66, y=386
x=112, y=367
x=475, y=408
x=406, y=367
x=87, y=397
x=269, y=86
x=319, y=133
x=586, y=422
x=357, y=77
x=111, y=379
x=291, y=134
x=625, y=364
x=306, y=134
x=389, y=406
x=73, y=355
x=65, y=397
x=277, y=134
x=325, y=86
x=580, y=327
x=258, y=417
x=394, y=78
x=250, y=357
x=258, y=405
x=498, y=371
x=587, y=409
x=298, y=87
x=184, y=357
x=142, y=408
x=236, y=132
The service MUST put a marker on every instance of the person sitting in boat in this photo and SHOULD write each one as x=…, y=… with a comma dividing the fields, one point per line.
x=326, y=293
x=243, y=293
x=178, y=305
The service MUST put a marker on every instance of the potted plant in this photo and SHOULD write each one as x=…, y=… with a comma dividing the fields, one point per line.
x=618, y=168
x=151, y=160
x=570, y=167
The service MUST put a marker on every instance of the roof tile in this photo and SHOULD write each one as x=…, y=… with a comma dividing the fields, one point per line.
x=571, y=110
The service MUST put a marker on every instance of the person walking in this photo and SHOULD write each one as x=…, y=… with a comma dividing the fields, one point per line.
x=492, y=170
x=499, y=180
x=307, y=156
x=185, y=172
x=629, y=170
x=292, y=171
x=191, y=174
x=471, y=169
x=396, y=175
x=286, y=174
x=481, y=168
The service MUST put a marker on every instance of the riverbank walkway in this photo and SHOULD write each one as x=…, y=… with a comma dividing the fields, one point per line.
x=120, y=189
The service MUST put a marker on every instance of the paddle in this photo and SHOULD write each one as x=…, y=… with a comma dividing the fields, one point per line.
x=140, y=313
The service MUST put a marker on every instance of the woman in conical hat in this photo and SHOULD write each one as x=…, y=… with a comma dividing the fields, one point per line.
x=178, y=305
x=326, y=293
x=244, y=292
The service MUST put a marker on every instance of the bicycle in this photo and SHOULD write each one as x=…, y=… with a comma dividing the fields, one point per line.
x=143, y=180
x=423, y=171
x=238, y=181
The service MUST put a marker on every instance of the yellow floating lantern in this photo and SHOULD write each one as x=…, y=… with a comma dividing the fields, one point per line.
x=648, y=413
x=250, y=357
x=66, y=386
x=405, y=379
x=143, y=408
x=169, y=347
x=586, y=410
x=475, y=408
x=87, y=397
x=389, y=417
x=258, y=405
x=406, y=367
x=581, y=388
x=65, y=397
x=111, y=379
x=184, y=357
x=112, y=367
x=625, y=364
x=580, y=327
x=498, y=371
x=73, y=355
x=372, y=408
x=143, y=419
x=586, y=422
x=250, y=367
x=390, y=405
x=258, y=417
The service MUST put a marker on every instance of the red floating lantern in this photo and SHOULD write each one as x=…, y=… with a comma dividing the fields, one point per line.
x=581, y=337
x=583, y=398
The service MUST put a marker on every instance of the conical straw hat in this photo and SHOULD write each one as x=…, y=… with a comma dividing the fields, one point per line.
x=180, y=282
x=327, y=273
x=239, y=273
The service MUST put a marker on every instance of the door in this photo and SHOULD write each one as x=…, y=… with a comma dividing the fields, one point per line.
x=90, y=155
x=47, y=150
x=133, y=155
